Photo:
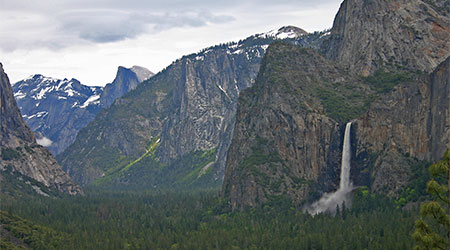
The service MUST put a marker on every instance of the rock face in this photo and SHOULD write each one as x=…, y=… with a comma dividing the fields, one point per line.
x=368, y=35
x=57, y=109
x=186, y=109
x=288, y=130
x=411, y=122
x=125, y=81
x=19, y=150
x=285, y=141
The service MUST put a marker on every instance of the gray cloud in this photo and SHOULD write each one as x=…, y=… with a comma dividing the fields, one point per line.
x=101, y=26
x=59, y=24
x=110, y=25
x=155, y=5
x=96, y=25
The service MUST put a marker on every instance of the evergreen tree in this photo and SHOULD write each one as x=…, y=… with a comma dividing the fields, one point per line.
x=432, y=229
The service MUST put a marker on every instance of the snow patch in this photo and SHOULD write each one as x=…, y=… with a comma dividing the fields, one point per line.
x=237, y=52
x=285, y=35
x=199, y=58
x=91, y=99
x=69, y=92
x=61, y=83
x=280, y=34
x=223, y=91
x=326, y=34
x=19, y=95
x=233, y=46
x=38, y=115
x=42, y=92
x=49, y=79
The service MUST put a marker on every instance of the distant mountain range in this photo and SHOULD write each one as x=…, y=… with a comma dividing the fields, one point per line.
x=57, y=109
x=174, y=130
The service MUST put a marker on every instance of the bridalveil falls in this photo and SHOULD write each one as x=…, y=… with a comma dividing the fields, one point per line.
x=329, y=201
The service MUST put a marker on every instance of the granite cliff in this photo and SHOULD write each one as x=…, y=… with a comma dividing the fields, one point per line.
x=287, y=137
x=287, y=140
x=405, y=34
x=408, y=125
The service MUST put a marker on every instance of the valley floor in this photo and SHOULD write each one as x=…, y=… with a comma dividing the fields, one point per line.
x=169, y=220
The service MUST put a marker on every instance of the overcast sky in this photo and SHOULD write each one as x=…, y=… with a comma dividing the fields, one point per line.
x=89, y=39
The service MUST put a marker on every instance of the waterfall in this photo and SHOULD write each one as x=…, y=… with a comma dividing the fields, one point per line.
x=345, y=183
x=329, y=201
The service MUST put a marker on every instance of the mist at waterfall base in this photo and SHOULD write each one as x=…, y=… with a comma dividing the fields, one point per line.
x=330, y=201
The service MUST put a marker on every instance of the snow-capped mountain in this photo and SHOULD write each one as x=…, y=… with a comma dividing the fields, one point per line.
x=285, y=32
x=57, y=109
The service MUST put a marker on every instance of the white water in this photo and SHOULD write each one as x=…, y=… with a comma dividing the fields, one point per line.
x=329, y=201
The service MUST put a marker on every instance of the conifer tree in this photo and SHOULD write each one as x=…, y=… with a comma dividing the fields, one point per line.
x=432, y=229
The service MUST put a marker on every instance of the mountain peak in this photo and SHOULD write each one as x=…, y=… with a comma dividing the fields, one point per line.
x=126, y=79
x=285, y=32
x=142, y=73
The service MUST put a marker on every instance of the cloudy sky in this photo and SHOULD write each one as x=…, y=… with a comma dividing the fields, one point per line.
x=89, y=39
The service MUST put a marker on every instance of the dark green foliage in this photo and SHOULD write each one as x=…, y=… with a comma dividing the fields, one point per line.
x=14, y=184
x=432, y=229
x=189, y=171
x=286, y=70
x=29, y=149
x=346, y=102
x=416, y=189
x=262, y=154
x=383, y=81
x=342, y=107
x=159, y=220
x=259, y=155
x=365, y=201
x=11, y=154
x=23, y=234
